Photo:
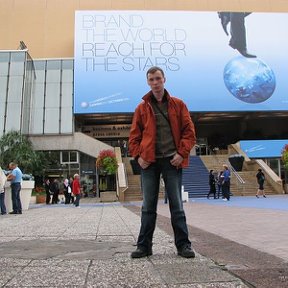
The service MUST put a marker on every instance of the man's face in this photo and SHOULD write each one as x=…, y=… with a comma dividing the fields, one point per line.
x=156, y=82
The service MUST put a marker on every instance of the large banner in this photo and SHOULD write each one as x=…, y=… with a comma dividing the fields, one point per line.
x=263, y=148
x=213, y=61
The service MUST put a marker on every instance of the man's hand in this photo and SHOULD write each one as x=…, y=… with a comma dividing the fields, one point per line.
x=176, y=160
x=10, y=177
x=144, y=164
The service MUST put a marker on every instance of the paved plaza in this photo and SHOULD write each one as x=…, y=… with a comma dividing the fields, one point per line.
x=241, y=243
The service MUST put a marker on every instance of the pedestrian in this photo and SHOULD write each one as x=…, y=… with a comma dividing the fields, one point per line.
x=15, y=176
x=3, y=179
x=67, y=191
x=260, y=180
x=226, y=183
x=71, y=185
x=219, y=183
x=161, y=137
x=47, y=190
x=212, y=184
x=76, y=189
x=55, y=191
x=125, y=148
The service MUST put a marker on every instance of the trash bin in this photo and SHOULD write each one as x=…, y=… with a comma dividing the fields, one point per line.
x=236, y=161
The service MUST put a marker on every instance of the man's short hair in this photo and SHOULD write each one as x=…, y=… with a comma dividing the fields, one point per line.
x=153, y=69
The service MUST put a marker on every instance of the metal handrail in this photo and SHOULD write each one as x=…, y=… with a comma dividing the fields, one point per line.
x=239, y=178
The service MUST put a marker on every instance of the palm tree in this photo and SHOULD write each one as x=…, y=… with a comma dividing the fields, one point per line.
x=17, y=147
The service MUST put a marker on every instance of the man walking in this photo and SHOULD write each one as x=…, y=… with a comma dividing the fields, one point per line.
x=161, y=137
x=15, y=177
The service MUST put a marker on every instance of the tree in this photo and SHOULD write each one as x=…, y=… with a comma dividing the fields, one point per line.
x=285, y=157
x=17, y=147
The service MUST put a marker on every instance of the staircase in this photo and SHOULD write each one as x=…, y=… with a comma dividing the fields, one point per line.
x=133, y=193
x=196, y=178
x=249, y=188
x=251, y=185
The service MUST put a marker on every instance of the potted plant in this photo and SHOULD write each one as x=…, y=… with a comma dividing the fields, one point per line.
x=107, y=166
x=40, y=194
x=18, y=148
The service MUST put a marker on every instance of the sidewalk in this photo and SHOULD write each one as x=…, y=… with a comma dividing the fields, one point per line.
x=246, y=235
x=257, y=223
x=63, y=246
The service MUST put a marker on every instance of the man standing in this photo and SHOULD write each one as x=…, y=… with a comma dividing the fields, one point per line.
x=226, y=183
x=15, y=177
x=161, y=137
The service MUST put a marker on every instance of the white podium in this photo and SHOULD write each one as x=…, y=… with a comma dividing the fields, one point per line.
x=185, y=196
x=25, y=195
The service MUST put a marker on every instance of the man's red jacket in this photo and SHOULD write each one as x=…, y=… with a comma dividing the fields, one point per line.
x=143, y=130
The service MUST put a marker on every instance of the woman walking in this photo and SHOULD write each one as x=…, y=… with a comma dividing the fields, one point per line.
x=260, y=180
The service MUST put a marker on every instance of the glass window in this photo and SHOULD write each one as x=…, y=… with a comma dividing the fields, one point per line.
x=15, y=89
x=37, y=121
x=65, y=157
x=66, y=120
x=67, y=76
x=4, y=57
x=68, y=64
x=17, y=63
x=3, y=69
x=53, y=76
x=18, y=56
x=38, y=97
x=39, y=64
x=3, y=89
x=53, y=65
x=67, y=95
x=51, y=121
x=66, y=108
x=69, y=157
x=67, y=71
x=53, y=71
x=274, y=165
x=52, y=99
x=13, y=120
x=73, y=156
x=40, y=76
x=2, y=114
x=4, y=63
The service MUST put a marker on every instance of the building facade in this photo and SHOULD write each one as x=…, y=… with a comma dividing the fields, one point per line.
x=36, y=85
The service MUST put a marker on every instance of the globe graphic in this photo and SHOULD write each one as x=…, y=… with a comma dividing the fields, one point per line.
x=249, y=79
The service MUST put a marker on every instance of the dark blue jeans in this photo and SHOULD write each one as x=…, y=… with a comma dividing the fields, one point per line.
x=2, y=203
x=77, y=201
x=16, y=202
x=150, y=185
x=226, y=190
